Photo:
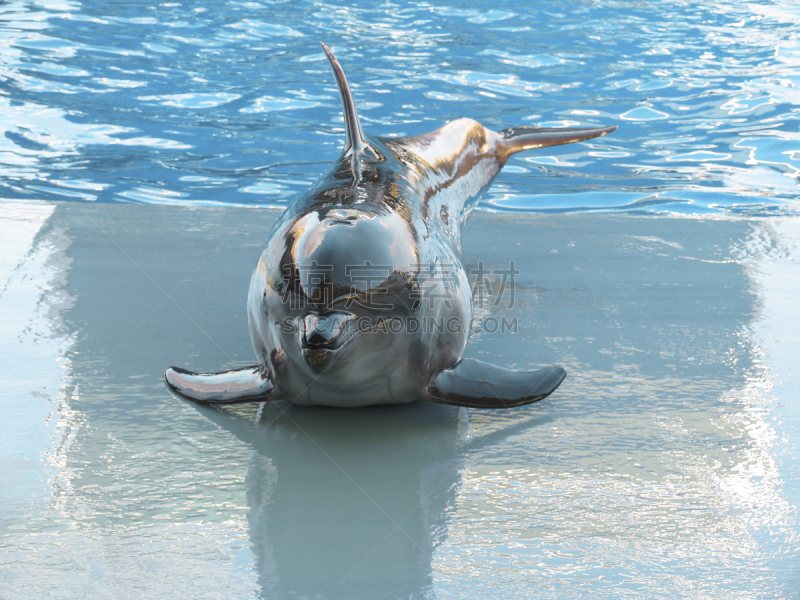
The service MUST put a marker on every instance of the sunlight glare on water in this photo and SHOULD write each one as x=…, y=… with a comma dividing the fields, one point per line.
x=232, y=103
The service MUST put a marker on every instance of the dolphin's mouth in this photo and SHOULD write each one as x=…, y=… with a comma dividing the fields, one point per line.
x=328, y=331
x=318, y=359
x=323, y=335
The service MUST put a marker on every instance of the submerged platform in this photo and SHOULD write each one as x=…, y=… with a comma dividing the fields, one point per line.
x=667, y=463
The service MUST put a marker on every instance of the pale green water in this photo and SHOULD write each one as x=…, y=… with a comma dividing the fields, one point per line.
x=665, y=465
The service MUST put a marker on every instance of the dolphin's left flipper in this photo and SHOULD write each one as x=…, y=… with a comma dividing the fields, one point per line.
x=250, y=384
x=477, y=384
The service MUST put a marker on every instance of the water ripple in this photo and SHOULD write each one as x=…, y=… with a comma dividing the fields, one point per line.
x=705, y=95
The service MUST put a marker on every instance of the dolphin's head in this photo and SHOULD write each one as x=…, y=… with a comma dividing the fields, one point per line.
x=337, y=295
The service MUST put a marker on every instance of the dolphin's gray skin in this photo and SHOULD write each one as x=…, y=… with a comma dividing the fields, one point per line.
x=360, y=296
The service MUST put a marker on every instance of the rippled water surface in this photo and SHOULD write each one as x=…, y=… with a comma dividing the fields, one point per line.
x=233, y=102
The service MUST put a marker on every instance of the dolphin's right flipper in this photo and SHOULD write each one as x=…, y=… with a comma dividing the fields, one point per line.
x=250, y=384
x=477, y=384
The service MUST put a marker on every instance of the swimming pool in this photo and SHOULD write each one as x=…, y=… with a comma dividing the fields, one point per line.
x=139, y=139
x=233, y=103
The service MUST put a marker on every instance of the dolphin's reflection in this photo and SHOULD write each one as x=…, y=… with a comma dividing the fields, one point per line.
x=350, y=503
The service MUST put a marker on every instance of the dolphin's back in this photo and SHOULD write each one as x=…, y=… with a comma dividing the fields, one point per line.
x=447, y=170
x=451, y=169
x=462, y=158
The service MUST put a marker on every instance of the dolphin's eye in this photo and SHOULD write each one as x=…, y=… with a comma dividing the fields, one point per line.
x=346, y=221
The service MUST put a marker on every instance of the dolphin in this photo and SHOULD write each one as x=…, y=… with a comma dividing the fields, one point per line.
x=360, y=296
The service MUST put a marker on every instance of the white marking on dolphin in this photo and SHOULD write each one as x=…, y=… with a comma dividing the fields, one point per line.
x=360, y=296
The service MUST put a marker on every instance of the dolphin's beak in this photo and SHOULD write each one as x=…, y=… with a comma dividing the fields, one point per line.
x=322, y=335
x=527, y=138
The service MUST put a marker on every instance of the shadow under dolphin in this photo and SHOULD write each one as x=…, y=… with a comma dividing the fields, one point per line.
x=351, y=503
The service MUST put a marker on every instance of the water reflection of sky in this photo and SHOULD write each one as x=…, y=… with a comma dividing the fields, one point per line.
x=233, y=103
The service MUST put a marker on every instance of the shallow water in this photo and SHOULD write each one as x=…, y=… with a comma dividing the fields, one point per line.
x=233, y=102
x=666, y=465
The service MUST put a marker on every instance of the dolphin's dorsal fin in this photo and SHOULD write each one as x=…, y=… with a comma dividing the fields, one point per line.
x=355, y=137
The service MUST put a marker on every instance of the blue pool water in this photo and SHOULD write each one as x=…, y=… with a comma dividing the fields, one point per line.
x=233, y=103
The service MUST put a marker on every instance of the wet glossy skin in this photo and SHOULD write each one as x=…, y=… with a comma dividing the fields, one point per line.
x=398, y=214
x=360, y=296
